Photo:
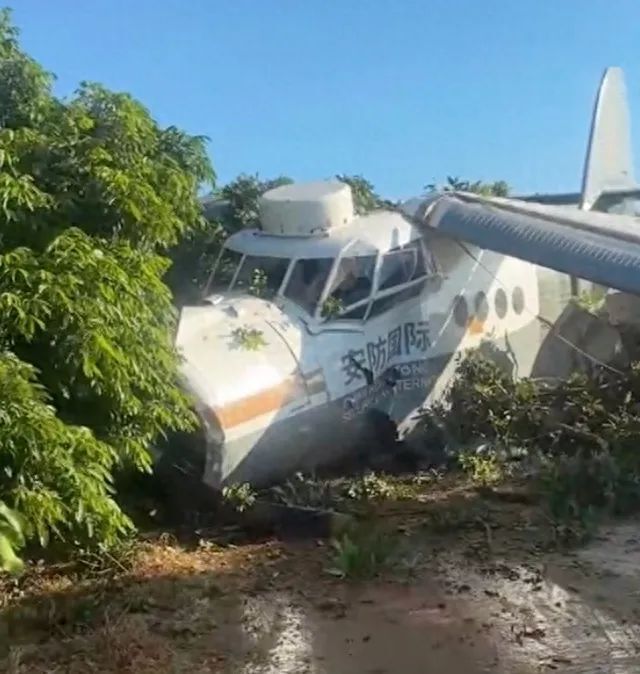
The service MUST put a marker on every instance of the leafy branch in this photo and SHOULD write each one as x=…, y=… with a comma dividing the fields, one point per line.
x=250, y=339
x=332, y=307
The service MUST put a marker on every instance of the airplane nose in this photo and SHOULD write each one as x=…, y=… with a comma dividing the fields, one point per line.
x=242, y=373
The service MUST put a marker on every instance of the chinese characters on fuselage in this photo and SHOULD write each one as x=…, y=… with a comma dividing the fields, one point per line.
x=414, y=381
x=405, y=340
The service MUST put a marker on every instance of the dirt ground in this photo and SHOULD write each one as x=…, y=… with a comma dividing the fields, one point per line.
x=476, y=588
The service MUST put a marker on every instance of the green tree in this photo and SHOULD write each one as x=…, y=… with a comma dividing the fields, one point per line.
x=233, y=207
x=93, y=192
x=365, y=197
x=243, y=195
x=498, y=188
x=193, y=259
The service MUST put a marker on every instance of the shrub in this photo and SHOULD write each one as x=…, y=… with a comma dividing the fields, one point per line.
x=92, y=195
x=582, y=434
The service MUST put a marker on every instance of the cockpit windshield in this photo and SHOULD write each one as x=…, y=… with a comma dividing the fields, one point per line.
x=349, y=286
x=225, y=270
x=307, y=282
x=261, y=276
x=353, y=280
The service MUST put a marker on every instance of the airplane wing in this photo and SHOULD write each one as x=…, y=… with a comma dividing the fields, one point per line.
x=595, y=246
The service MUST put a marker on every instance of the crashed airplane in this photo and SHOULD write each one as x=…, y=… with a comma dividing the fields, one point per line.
x=322, y=323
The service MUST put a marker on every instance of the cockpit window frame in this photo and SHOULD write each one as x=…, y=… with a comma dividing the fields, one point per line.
x=243, y=256
x=287, y=280
x=429, y=263
x=214, y=270
x=276, y=292
x=430, y=271
x=396, y=253
x=346, y=252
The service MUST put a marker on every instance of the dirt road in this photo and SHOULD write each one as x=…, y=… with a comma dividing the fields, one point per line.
x=466, y=601
x=568, y=614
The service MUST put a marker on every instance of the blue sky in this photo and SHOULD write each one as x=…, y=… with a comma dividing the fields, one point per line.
x=401, y=91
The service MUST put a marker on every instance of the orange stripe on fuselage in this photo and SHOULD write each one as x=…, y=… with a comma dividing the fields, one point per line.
x=269, y=400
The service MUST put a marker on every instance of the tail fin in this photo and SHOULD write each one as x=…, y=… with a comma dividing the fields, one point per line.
x=609, y=162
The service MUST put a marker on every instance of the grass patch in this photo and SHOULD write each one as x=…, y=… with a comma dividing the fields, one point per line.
x=361, y=553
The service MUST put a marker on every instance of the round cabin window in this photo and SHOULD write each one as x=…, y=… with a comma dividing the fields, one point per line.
x=481, y=306
x=461, y=311
x=517, y=300
x=502, y=303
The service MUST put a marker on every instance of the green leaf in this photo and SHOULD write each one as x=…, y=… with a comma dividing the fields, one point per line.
x=9, y=561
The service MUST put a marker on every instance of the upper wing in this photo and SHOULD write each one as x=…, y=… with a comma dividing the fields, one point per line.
x=598, y=247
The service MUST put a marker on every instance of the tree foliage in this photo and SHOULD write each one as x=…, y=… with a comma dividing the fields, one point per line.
x=194, y=258
x=583, y=432
x=243, y=195
x=498, y=188
x=93, y=192
x=365, y=197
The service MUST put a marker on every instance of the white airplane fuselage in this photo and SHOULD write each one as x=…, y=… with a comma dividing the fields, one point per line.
x=299, y=395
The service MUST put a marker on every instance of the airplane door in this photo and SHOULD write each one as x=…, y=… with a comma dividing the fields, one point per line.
x=342, y=356
x=291, y=338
